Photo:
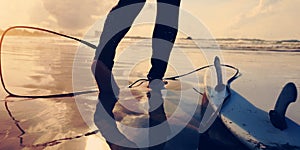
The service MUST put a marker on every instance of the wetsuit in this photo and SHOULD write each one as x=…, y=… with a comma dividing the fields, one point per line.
x=119, y=21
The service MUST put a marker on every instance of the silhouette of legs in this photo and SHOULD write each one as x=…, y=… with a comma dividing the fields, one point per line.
x=117, y=24
x=164, y=35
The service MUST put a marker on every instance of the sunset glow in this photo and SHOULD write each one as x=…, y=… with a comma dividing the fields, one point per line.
x=266, y=19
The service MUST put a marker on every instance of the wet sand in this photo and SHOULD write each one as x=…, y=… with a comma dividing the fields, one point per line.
x=44, y=123
x=56, y=123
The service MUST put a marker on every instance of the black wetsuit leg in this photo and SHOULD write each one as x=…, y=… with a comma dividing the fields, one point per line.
x=117, y=24
x=164, y=35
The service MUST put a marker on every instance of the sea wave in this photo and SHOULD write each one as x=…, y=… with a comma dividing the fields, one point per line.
x=241, y=44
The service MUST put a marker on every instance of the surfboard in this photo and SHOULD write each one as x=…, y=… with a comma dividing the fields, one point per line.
x=254, y=127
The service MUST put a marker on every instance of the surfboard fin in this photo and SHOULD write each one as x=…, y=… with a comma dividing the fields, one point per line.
x=220, y=86
x=287, y=96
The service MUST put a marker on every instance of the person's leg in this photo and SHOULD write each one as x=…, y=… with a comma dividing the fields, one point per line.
x=164, y=35
x=117, y=24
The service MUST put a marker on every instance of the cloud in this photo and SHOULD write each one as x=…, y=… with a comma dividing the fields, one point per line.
x=14, y=12
x=266, y=19
x=69, y=15
x=263, y=8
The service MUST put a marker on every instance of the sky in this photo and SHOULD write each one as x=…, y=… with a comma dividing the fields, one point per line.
x=263, y=19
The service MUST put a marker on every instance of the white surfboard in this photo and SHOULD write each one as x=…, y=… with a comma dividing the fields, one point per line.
x=253, y=126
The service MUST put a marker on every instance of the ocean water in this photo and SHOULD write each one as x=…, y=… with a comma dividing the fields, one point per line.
x=42, y=65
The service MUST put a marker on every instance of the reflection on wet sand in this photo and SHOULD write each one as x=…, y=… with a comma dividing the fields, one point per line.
x=66, y=130
x=40, y=123
x=37, y=65
x=105, y=120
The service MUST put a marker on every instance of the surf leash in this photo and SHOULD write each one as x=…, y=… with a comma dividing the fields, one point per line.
x=231, y=79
